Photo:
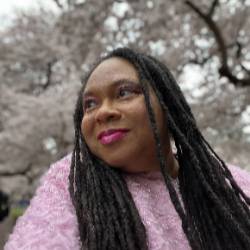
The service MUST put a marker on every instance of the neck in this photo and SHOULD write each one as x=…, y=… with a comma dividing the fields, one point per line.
x=172, y=165
x=151, y=164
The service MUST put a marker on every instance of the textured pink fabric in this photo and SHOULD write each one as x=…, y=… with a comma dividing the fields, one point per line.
x=50, y=221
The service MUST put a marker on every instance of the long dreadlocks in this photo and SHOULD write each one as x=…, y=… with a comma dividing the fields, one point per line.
x=214, y=210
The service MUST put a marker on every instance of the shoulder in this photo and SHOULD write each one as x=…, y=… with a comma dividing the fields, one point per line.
x=61, y=167
x=242, y=177
x=57, y=174
x=50, y=221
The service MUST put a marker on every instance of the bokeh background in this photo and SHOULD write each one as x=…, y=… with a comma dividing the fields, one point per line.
x=47, y=46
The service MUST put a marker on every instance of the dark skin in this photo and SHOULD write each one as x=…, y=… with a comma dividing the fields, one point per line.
x=113, y=99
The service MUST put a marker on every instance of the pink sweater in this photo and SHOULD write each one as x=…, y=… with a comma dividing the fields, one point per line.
x=50, y=221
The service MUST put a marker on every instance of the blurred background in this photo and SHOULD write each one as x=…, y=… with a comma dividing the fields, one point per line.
x=47, y=46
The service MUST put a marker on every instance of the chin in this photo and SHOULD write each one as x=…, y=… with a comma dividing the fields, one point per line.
x=114, y=163
x=114, y=158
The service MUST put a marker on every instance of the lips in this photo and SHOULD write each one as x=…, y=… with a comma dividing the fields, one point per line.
x=111, y=135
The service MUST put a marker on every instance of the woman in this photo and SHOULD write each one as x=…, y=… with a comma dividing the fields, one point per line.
x=128, y=188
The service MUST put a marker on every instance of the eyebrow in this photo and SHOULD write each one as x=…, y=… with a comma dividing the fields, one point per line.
x=114, y=84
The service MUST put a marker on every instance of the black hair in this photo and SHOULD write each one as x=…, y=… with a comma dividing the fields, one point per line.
x=212, y=207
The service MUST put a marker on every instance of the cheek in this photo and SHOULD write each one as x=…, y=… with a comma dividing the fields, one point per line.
x=142, y=123
x=83, y=127
x=86, y=129
x=140, y=118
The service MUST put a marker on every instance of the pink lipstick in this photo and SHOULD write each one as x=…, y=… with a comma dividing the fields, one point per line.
x=112, y=135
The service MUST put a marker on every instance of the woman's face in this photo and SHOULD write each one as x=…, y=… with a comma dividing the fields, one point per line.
x=116, y=125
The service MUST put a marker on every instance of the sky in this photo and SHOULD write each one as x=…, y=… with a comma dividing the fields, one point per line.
x=7, y=7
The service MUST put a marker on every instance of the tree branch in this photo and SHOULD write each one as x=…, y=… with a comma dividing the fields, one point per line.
x=58, y=3
x=23, y=172
x=49, y=73
x=221, y=44
x=213, y=7
x=245, y=69
x=200, y=61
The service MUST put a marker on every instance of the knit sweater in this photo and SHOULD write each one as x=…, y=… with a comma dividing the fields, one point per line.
x=50, y=221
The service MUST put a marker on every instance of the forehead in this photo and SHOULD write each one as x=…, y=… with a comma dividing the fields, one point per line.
x=111, y=70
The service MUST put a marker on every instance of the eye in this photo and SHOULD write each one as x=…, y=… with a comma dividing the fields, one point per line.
x=89, y=104
x=127, y=91
x=123, y=92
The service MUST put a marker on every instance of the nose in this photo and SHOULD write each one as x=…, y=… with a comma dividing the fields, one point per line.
x=107, y=112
